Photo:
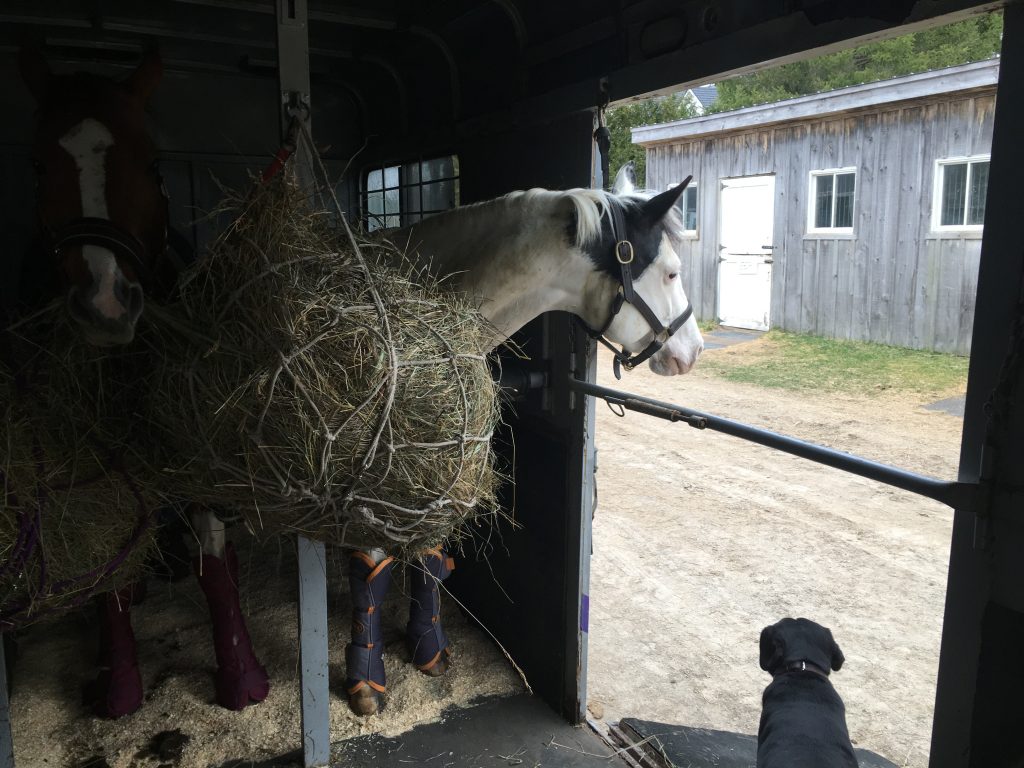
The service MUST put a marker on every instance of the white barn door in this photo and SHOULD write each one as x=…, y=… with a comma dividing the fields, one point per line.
x=746, y=232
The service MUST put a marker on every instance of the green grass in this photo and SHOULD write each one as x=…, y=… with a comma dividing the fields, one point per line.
x=798, y=362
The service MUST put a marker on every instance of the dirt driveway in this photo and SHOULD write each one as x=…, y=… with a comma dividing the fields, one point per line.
x=701, y=539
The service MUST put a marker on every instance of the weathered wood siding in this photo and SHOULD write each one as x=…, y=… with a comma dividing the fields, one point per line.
x=892, y=281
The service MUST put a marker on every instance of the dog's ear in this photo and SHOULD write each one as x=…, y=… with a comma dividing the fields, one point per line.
x=837, y=655
x=769, y=649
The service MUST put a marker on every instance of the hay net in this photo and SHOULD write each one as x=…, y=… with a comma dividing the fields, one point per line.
x=76, y=510
x=315, y=382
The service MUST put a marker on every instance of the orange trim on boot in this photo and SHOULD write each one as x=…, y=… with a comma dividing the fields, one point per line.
x=437, y=657
x=365, y=558
x=380, y=567
x=439, y=554
x=363, y=683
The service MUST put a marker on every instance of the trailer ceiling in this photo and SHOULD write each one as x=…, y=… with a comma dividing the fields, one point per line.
x=444, y=66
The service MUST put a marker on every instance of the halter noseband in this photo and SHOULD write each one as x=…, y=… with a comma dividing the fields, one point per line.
x=89, y=230
x=104, y=233
x=624, y=255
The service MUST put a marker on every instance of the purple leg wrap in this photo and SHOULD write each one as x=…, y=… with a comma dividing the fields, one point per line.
x=364, y=657
x=424, y=631
x=240, y=678
x=117, y=690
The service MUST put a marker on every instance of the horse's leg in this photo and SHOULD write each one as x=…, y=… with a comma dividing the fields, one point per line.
x=426, y=636
x=117, y=689
x=369, y=576
x=240, y=677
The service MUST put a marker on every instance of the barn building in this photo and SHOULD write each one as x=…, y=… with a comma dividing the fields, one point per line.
x=851, y=214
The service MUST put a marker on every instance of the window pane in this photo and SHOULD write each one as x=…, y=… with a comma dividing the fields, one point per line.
x=438, y=168
x=374, y=210
x=373, y=180
x=391, y=177
x=979, y=186
x=690, y=209
x=954, y=193
x=391, y=201
x=823, y=202
x=845, y=183
x=411, y=173
x=439, y=196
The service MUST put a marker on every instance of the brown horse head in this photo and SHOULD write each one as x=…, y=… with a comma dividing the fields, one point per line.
x=102, y=209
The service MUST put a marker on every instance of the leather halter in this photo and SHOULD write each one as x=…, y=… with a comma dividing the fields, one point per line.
x=801, y=666
x=89, y=230
x=104, y=233
x=624, y=255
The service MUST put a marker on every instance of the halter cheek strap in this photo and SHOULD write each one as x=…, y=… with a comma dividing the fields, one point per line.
x=626, y=294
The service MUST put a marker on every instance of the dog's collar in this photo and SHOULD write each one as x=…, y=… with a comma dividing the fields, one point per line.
x=801, y=666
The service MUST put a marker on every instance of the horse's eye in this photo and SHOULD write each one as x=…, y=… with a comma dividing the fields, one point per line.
x=673, y=275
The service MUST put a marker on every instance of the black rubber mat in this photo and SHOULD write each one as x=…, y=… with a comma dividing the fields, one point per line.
x=510, y=731
x=684, y=747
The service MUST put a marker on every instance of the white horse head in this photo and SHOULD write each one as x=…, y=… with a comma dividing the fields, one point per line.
x=541, y=250
x=652, y=227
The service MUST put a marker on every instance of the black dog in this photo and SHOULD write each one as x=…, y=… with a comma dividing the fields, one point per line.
x=803, y=720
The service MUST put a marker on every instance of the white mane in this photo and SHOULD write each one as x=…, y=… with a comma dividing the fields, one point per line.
x=592, y=205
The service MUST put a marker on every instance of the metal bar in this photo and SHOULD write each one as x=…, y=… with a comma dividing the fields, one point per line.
x=316, y=720
x=953, y=494
x=293, y=74
x=6, y=740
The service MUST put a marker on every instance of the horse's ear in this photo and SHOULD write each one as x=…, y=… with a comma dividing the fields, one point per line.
x=658, y=206
x=144, y=80
x=34, y=71
x=625, y=180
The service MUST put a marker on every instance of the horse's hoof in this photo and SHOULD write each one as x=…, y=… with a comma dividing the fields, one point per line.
x=115, y=694
x=439, y=666
x=366, y=701
x=236, y=692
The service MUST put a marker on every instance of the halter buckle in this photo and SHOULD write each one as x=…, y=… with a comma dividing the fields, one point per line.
x=628, y=250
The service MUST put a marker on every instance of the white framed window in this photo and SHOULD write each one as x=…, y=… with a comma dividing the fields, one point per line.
x=831, y=200
x=688, y=207
x=396, y=195
x=958, y=202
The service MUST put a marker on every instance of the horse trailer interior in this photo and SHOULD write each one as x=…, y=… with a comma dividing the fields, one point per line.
x=505, y=95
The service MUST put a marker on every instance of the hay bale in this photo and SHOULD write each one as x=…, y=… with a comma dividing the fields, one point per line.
x=319, y=385
x=76, y=512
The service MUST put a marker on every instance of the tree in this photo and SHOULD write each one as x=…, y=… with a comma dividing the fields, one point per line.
x=621, y=119
x=971, y=40
x=975, y=39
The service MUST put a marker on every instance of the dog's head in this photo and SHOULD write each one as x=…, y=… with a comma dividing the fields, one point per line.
x=793, y=640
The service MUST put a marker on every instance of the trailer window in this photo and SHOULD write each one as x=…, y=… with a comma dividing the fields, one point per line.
x=396, y=195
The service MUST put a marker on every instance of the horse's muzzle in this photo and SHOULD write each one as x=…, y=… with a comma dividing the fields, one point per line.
x=97, y=326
